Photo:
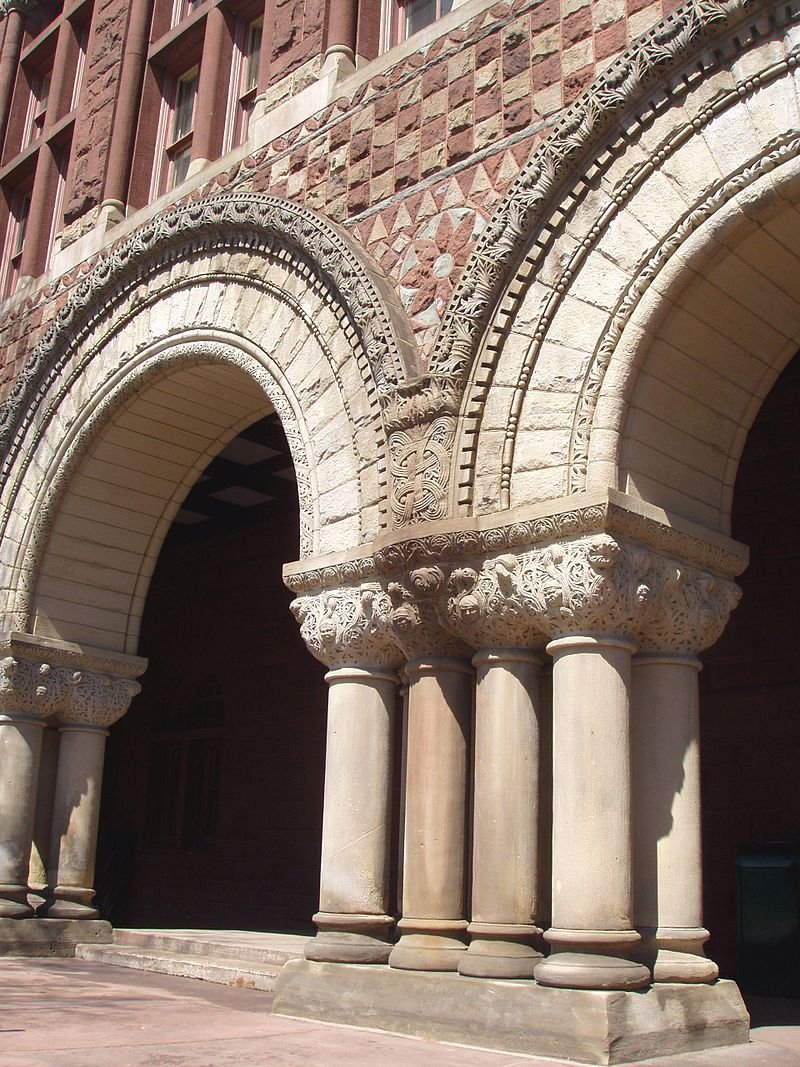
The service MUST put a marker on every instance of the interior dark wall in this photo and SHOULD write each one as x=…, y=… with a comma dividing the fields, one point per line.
x=217, y=608
x=750, y=685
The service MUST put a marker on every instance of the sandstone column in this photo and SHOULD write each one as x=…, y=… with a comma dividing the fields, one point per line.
x=505, y=824
x=95, y=701
x=592, y=846
x=668, y=846
x=690, y=610
x=352, y=921
x=28, y=696
x=9, y=58
x=433, y=926
x=347, y=629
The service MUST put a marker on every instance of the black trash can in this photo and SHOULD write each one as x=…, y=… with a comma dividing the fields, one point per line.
x=768, y=919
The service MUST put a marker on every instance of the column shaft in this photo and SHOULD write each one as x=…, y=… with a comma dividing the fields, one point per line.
x=341, y=35
x=76, y=811
x=667, y=832
x=20, y=750
x=439, y=712
x=9, y=58
x=592, y=846
x=354, y=886
x=505, y=825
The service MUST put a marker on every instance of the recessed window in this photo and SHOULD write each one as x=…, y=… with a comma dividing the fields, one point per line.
x=244, y=81
x=37, y=105
x=175, y=135
x=19, y=211
x=403, y=18
x=183, y=8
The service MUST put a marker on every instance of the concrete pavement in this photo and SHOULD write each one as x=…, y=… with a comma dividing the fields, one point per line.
x=74, y=1013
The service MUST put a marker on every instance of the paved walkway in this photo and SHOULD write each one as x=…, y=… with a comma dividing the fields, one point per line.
x=71, y=1013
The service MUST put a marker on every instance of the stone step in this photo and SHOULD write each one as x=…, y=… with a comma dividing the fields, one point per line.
x=241, y=973
x=272, y=948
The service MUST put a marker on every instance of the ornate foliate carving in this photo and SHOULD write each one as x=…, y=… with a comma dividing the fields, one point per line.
x=349, y=627
x=96, y=699
x=690, y=609
x=418, y=602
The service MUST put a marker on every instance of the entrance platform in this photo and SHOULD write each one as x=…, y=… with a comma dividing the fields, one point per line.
x=239, y=958
x=73, y=1013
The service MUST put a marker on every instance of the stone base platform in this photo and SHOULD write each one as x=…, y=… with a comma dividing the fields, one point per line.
x=586, y=1026
x=51, y=937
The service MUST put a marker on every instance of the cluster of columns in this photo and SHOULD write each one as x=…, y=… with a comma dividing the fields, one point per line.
x=622, y=817
x=56, y=705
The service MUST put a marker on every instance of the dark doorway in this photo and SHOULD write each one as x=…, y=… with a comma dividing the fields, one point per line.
x=212, y=800
x=750, y=711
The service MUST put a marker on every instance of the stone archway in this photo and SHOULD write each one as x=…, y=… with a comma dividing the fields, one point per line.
x=207, y=320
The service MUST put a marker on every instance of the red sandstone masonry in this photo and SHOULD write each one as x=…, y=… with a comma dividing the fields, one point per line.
x=477, y=100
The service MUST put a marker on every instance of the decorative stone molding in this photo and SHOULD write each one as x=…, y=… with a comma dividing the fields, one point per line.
x=583, y=571
x=364, y=300
x=40, y=678
x=608, y=511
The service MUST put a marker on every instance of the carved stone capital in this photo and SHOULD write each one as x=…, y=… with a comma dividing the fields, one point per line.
x=96, y=699
x=41, y=677
x=689, y=608
x=30, y=688
x=349, y=626
x=600, y=563
x=418, y=605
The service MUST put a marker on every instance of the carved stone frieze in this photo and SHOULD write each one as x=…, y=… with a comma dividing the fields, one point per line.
x=420, y=466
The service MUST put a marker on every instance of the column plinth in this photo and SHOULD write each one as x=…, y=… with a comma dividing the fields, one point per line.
x=592, y=936
x=353, y=924
x=667, y=824
x=433, y=927
x=503, y=933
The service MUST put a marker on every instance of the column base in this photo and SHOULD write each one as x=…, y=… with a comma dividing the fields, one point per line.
x=587, y=1026
x=350, y=938
x=51, y=937
x=500, y=951
x=14, y=902
x=429, y=944
x=588, y=959
x=69, y=902
x=675, y=955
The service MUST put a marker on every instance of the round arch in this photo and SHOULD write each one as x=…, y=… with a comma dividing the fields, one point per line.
x=671, y=147
x=196, y=326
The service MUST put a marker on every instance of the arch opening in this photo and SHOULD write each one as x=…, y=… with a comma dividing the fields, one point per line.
x=750, y=688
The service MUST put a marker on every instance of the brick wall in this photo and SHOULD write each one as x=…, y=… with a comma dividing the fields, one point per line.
x=413, y=162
